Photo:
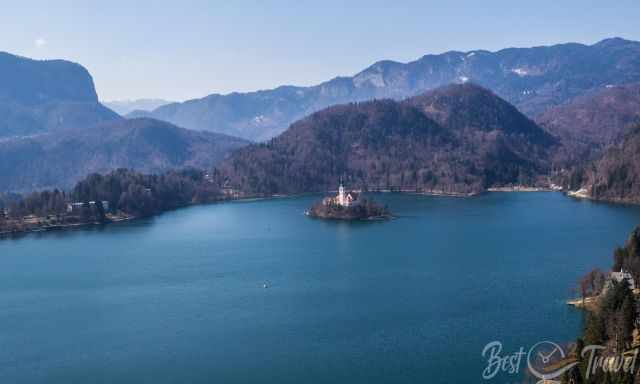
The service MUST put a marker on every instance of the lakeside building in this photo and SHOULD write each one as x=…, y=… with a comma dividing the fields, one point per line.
x=619, y=277
x=75, y=207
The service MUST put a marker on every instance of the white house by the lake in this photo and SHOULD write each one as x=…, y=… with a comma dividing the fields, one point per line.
x=621, y=276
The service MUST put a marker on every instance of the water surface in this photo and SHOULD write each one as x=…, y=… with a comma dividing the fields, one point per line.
x=180, y=298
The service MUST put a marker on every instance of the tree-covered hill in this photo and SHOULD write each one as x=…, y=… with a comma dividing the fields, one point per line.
x=60, y=159
x=533, y=79
x=590, y=123
x=456, y=139
x=615, y=176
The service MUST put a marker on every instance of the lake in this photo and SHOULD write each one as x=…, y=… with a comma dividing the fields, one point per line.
x=181, y=298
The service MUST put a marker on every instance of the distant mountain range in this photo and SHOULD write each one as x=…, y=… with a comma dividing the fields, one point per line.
x=45, y=96
x=533, y=79
x=455, y=139
x=53, y=130
x=124, y=107
x=60, y=159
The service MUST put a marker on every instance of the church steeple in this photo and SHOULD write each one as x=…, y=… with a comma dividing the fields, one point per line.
x=341, y=198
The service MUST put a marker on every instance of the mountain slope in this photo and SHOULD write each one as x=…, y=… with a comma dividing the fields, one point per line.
x=532, y=79
x=615, y=176
x=470, y=107
x=595, y=120
x=454, y=147
x=60, y=159
x=19, y=120
x=30, y=82
x=41, y=96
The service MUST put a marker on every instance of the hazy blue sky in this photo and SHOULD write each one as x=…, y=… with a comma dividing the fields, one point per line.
x=179, y=50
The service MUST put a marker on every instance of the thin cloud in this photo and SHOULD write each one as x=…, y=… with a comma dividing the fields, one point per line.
x=40, y=42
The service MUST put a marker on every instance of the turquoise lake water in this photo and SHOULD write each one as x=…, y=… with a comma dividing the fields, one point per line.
x=180, y=298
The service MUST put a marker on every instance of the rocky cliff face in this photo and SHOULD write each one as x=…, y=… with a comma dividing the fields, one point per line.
x=43, y=96
x=30, y=82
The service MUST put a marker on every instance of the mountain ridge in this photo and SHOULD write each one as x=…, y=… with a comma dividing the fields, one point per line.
x=40, y=96
x=125, y=107
x=384, y=144
x=58, y=160
x=44, y=85
x=530, y=78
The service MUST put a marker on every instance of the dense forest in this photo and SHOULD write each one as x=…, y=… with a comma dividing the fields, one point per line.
x=457, y=139
x=591, y=122
x=615, y=176
x=61, y=159
x=102, y=198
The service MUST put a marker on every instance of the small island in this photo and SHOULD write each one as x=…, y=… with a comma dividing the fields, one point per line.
x=348, y=206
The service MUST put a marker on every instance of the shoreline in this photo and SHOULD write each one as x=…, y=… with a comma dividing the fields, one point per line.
x=588, y=303
x=523, y=189
x=63, y=227
x=445, y=194
x=426, y=193
x=583, y=194
x=344, y=219
x=383, y=217
x=246, y=199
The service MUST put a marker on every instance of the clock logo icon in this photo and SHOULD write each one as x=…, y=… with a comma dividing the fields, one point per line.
x=545, y=361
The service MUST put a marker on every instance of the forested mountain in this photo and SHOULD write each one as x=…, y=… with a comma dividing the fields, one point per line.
x=532, y=79
x=593, y=121
x=44, y=96
x=615, y=176
x=456, y=139
x=19, y=120
x=60, y=159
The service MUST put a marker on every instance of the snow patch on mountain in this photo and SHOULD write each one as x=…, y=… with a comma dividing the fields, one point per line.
x=374, y=78
x=520, y=71
x=260, y=119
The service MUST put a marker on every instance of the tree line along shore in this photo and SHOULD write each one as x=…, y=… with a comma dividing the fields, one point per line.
x=123, y=195
x=126, y=194
x=100, y=199
x=612, y=319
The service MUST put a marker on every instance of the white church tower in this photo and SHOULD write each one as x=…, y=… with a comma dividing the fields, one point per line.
x=341, y=198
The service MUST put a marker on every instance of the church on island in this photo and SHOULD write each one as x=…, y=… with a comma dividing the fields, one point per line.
x=343, y=199
x=348, y=205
